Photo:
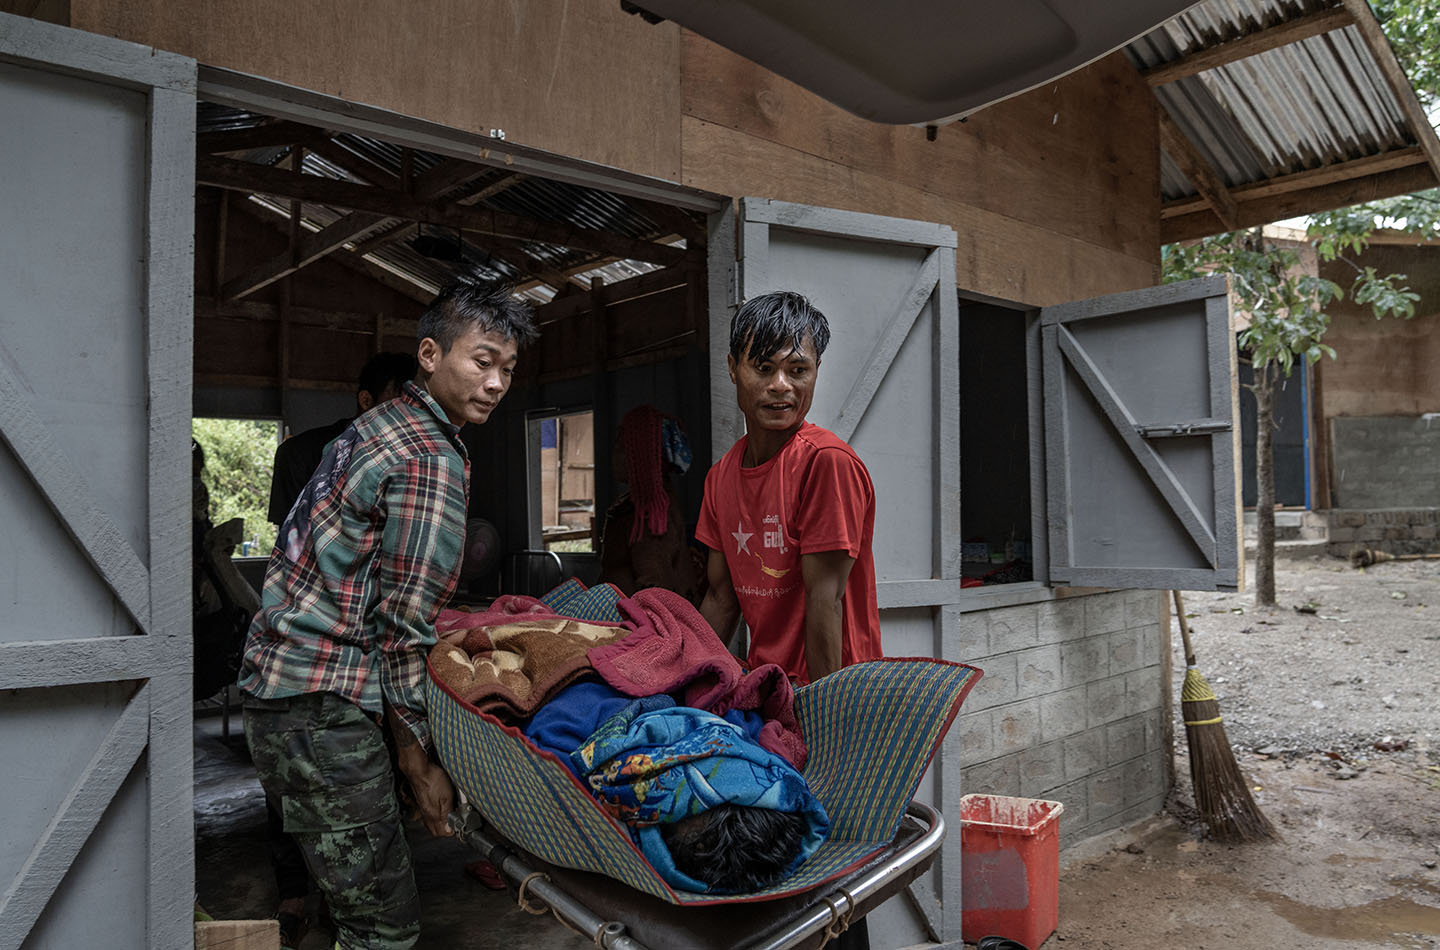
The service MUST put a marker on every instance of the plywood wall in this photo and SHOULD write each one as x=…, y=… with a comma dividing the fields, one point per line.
x=1385, y=367
x=576, y=77
x=1054, y=194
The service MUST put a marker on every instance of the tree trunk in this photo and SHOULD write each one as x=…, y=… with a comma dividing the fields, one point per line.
x=1265, y=485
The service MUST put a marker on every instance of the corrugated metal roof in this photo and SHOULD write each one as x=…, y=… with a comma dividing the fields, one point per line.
x=531, y=197
x=1316, y=102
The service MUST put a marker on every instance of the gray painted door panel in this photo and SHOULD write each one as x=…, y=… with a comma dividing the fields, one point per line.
x=95, y=375
x=885, y=385
x=1141, y=442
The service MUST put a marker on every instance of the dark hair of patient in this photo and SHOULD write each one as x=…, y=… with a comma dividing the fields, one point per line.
x=736, y=848
x=775, y=322
x=471, y=300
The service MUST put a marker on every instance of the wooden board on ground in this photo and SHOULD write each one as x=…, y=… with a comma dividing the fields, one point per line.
x=237, y=935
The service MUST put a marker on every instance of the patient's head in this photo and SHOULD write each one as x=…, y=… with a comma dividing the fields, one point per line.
x=736, y=848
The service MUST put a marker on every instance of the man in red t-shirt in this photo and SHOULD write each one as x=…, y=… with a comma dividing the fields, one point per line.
x=789, y=512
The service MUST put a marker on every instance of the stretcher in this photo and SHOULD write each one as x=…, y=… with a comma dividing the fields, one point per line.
x=871, y=728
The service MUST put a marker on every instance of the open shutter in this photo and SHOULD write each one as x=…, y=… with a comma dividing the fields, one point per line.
x=97, y=224
x=888, y=384
x=1141, y=442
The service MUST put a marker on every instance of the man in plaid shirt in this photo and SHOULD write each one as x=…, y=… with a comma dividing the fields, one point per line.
x=364, y=561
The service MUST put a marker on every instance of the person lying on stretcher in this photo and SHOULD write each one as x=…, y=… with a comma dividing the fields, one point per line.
x=709, y=807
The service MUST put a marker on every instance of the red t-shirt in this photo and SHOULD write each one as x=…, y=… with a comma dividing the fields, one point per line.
x=814, y=495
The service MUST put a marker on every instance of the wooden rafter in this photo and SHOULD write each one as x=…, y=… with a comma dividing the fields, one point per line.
x=1395, y=76
x=267, y=135
x=1260, y=41
x=247, y=176
x=1302, y=181
x=1196, y=168
x=1320, y=197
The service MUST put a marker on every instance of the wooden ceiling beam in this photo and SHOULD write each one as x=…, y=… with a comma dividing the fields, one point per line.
x=404, y=286
x=356, y=164
x=247, y=176
x=311, y=248
x=1386, y=184
x=1196, y=168
x=1302, y=181
x=268, y=135
x=1399, y=83
x=1251, y=44
x=503, y=183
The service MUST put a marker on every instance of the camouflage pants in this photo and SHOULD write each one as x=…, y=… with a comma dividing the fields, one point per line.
x=324, y=760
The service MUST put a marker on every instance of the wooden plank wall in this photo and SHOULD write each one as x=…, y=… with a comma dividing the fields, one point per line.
x=575, y=77
x=1385, y=367
x=1053, y=194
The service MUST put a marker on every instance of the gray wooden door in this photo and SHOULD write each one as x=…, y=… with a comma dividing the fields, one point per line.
x=95, y=373
x=888, y=385
x=1141, y=442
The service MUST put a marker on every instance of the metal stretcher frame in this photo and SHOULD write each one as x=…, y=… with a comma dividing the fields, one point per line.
x=827, y=906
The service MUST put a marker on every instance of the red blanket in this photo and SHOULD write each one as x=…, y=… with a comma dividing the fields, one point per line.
x=671, y=649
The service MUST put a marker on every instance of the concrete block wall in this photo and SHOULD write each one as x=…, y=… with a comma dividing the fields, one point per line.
x=1071, y=707
x=1392, y=530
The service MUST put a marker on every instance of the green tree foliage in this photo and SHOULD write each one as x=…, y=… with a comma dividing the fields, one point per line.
x=239, y=455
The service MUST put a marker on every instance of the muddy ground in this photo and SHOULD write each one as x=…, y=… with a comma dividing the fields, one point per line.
x=1334, y=717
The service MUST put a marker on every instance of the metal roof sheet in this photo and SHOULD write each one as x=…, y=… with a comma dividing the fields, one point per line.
x=1316, y=102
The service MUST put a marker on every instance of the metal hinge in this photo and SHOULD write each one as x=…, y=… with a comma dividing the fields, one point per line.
x=1197, y=427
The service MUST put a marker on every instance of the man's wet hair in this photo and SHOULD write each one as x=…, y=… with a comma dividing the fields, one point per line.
x=474, y=301
x=386, y=370
x=780, y=320
x=736, y=849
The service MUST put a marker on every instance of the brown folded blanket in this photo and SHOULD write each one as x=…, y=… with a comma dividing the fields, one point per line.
x=509, y=670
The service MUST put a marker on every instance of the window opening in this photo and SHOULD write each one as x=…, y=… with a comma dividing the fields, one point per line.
x=566, y=481
x=238, y=457
x=995, y=420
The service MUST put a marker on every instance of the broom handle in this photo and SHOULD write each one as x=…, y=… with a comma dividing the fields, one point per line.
x=1184, y=629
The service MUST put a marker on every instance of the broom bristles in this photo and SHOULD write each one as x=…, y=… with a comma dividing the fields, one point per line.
x=1222, y=795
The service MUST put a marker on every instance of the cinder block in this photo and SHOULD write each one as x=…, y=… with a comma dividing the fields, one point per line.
x=1144, y=690
x=996, y=777
x=1423, y=532
x=1143, y=607
x=1017, y=726
x=1084, y=754
x=1144, y=779
x=1154, y=733
x=1013, y=628
x=1104, y=613
x=1042, y=770
x=997, y=686
x=1061, y=620
x=1349, y=519
x=1062, y=713
x=1124, y=740
x=1336, y=534
x=1153, y=644
x=972, y=631
x=1075, y=816
x=1038, y=671
x=976, y=741
x=1370, y=532
x=1084, y=661
x=1106, y=701
x=1125, y=651
x=1398, y=532
x=1106, y=793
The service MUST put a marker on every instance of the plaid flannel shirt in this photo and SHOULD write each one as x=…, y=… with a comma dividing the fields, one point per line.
x=364, y=561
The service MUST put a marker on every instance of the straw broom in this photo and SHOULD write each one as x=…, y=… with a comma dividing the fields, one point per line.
x=1221, y=793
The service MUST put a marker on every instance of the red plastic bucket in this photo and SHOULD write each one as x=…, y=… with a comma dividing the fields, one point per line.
x=1010, y=868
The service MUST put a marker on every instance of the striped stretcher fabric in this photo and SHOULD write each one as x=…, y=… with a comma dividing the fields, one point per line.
x=872, y=729
x=597, y=604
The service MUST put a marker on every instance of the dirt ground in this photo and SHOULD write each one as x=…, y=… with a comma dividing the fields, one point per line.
x=1334, y=717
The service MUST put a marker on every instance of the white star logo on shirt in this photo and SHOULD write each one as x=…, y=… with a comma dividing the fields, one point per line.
x=742, y=538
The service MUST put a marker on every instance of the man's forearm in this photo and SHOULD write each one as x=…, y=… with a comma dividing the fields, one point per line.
x=721, y=615
x=823, y=626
